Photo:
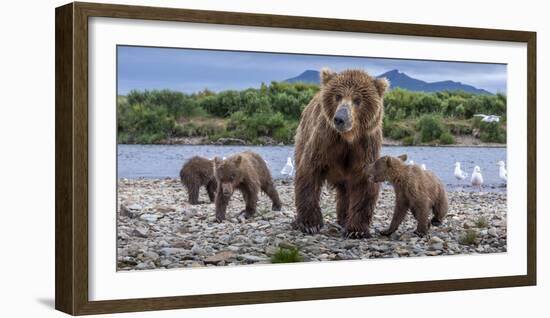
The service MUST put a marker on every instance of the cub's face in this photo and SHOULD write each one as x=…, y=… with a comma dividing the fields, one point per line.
x=228, y=174
x=352, y=101
x=383, y=168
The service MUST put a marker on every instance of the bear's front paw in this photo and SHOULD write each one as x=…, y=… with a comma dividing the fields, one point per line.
x=276, y=207
x=310, y=228
x=356, y=229
x=386, y=232
x=436, y=222
x=357, y=234
x=246, y=214
x=420, y=233
x=220, y=218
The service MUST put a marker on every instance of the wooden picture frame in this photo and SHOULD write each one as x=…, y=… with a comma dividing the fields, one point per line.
x=71, y=221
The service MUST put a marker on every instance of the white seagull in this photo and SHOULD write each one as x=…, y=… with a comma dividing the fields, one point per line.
x=477, y=178
x=423, y=166
x=488, y=118
x=288, y=169
x=459, y=174
x=502, y=170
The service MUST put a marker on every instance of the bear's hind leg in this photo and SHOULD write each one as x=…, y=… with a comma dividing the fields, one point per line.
x=422, y=215
x=193, y=191
x=440, y=209
x=250, y=196
x=307, y=191
x=272, y=193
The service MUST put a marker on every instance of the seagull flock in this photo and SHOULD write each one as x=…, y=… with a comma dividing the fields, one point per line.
x=477, y=178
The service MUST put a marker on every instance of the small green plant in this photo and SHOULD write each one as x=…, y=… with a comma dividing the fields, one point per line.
x=446, y=138
x=481, y=222
x=469, y=237
x=286, y=255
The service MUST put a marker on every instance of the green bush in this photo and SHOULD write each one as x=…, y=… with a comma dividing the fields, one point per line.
x=492, y=132
x=398, y=132
x=430, y=127
x=446, y=138
x=274, y=110
x=286, y=255
x=409, y=141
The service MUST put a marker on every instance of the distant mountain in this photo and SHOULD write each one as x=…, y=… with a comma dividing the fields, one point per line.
x=402, y=80
x=309, y=76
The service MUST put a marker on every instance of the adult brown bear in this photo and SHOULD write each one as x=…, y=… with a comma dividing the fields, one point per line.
x=340, y=132
x=194, y=174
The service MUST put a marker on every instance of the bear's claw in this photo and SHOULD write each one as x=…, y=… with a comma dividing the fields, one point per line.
x=307, y=229
x=357, y=235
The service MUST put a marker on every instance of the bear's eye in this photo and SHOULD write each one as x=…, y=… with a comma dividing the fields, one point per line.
x=357, y=101
x=338, y=98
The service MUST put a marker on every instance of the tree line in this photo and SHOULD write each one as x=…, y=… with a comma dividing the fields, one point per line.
x=272, y=113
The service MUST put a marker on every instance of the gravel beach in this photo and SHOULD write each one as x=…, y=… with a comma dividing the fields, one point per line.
x=157, y=228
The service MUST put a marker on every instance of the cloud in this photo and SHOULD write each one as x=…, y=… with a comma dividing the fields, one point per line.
x=190, y=70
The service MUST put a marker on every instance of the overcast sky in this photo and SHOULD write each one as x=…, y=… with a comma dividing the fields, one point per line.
x=190, y=70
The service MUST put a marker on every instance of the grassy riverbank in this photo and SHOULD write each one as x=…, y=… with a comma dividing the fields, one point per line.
x=271, y=113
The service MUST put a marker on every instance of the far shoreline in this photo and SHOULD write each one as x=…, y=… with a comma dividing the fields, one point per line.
x=467, y=142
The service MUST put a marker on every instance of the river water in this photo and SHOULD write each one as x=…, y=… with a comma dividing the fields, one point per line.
x=161, y=161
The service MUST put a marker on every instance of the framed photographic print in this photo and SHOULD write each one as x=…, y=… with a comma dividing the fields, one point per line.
x=211, y=158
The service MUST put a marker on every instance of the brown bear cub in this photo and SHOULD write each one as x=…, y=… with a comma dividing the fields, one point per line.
x=340, y=130
x=194, y=174
x=248, y=173
x=417, y=190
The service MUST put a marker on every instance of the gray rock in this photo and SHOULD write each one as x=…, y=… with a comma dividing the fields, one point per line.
x=167, y=251
x=140, y=232
x=152, y=255
x=253, y=258
x=149, y=217
x=219, y=257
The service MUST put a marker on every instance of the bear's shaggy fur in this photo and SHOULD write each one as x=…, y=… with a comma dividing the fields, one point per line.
x=417, y=190
x=194, y=174
x=248, y=173
x=339, y=133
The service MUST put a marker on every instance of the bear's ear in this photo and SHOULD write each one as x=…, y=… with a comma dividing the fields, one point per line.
x=382, y=85
x=388, y=161
x=326, y=75
x=403, y=157
x=238, y=161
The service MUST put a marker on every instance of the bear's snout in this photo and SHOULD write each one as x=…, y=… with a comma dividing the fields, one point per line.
x=342, y=118
x=227, y=189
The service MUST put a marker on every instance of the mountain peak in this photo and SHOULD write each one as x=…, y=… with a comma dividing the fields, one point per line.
x=401, y=80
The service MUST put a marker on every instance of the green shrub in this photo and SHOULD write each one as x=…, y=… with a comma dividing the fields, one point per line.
x=446, y=138
x=286, y=255
x=430, y=127
x=492, y=132
x=409, y=141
